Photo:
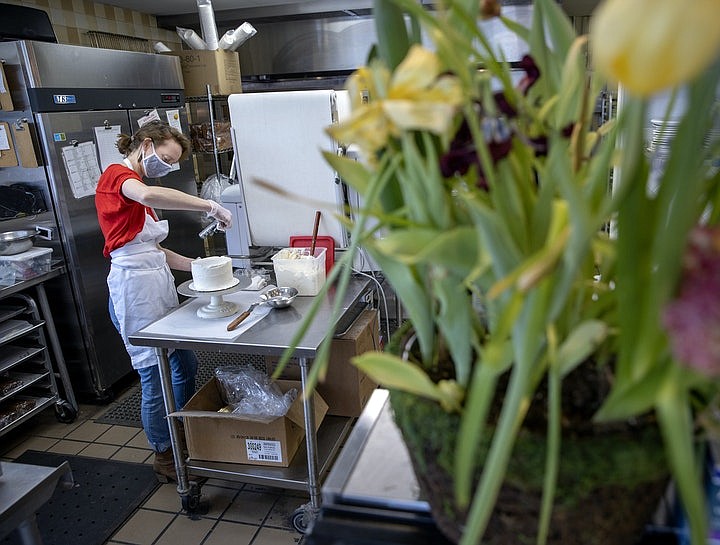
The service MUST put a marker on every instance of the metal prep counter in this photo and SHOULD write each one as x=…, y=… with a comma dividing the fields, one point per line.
x=269, y=336
x=371, y=494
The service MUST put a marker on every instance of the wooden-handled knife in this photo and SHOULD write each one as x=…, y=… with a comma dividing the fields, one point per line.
x=237, y=321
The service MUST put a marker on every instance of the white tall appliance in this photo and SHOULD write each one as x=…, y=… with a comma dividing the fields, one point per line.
x=278, y=139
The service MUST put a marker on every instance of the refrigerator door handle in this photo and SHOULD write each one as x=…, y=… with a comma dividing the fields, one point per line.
x=44, y=232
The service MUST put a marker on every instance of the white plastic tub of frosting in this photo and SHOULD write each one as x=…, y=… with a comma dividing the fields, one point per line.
x=296, y=268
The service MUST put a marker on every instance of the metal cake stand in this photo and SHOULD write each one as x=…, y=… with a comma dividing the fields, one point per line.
x=216, y=307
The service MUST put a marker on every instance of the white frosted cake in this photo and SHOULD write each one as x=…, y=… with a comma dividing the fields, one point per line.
x=212, y=273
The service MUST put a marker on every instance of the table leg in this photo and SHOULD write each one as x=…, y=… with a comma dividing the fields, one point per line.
x=29, y=532
x=183, y=486
x=310, y=441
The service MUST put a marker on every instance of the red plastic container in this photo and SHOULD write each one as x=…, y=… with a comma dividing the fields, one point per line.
x=327, y=242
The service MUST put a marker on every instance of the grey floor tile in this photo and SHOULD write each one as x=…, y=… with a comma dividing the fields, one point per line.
x=31, y=443
x=88, y=431
x=219, y=499
x=276, y=536
x=186, y=531
x=165, y=498
x=65, y=446
x=139, y=441
x=250, y=507
x=97, y=450
x=118, y=435
x=144, y=527
x=225, y=533
x=128, y=454
x=281, y=513
x=55, y=429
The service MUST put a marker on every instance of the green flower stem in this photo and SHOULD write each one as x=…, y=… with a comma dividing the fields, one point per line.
x=675, y=419
x=527, y=342
x=552, y=460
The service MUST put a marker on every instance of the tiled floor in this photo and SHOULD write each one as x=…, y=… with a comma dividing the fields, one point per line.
x=238, y=514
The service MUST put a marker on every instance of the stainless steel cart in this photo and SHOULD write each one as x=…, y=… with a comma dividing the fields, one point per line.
x=270, y=336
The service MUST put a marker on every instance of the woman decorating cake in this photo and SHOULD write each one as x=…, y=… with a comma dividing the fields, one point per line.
x=142, y=288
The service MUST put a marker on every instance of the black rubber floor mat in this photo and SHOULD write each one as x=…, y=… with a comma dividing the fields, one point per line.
x=105, y=494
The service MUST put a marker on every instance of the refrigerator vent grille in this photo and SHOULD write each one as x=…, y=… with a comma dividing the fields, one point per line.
x=108, y=40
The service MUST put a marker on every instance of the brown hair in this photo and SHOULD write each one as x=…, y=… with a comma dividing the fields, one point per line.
x=158, y=132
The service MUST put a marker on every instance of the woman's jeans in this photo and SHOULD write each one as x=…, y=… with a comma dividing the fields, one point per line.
x=183, y=368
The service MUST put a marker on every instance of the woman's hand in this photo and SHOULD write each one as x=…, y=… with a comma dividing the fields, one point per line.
x=223, y=215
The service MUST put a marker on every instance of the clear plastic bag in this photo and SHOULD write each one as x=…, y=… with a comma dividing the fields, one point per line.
x=251, y=394
x=211, y=189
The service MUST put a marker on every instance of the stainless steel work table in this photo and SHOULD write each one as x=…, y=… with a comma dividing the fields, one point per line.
x=371, y=494
x=23, y=490
x=270, y=336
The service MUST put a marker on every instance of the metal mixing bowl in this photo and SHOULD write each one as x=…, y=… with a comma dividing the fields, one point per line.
x=279, y=297
x=15, y=242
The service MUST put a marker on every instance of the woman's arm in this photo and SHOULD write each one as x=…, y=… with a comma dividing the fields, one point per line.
x=176, y=261
x=163, y=197
x=171, y=199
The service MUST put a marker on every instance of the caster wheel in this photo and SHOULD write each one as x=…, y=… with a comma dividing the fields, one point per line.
x=300, y=520
x=64, y=412
x=191, y=503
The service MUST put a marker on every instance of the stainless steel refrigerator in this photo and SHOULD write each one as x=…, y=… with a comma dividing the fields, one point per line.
x=77, y=99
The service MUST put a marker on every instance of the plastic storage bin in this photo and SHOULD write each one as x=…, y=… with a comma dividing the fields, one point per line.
x=296, y=268
x=29, y=264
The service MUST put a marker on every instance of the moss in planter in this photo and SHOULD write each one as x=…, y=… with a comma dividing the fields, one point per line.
x=597, y=472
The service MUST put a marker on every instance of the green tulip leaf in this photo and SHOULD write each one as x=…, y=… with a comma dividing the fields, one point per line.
x=456, y=249
x=580, y=344
x=350, y=171
x=630, y=398
x=393, y=372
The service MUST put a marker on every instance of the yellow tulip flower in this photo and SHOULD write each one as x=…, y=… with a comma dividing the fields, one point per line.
x=414, y=97
x=650, y=45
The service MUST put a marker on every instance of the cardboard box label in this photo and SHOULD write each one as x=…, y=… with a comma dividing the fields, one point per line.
x=259, y=450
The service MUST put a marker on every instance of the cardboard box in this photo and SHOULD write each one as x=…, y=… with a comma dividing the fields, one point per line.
x=346, y=389
x=225, y=437
x=220, y=69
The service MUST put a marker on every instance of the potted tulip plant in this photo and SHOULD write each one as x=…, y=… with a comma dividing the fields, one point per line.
x=523, y=266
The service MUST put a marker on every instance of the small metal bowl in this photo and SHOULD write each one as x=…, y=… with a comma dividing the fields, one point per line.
x=279, y=297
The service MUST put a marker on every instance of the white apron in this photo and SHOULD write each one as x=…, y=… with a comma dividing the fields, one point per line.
x=142, y=288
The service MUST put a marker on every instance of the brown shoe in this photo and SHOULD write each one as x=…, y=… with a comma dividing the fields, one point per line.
x=164, y=466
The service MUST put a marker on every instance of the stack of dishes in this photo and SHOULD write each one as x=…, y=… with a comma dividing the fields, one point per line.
x=663, y=133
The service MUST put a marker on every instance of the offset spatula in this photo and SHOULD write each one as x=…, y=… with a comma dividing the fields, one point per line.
x=237, y=321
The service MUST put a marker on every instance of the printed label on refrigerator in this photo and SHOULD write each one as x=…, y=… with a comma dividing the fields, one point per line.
x=259, y=450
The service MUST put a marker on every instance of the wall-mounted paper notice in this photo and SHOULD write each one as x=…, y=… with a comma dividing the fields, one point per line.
x=82, y=168
x=4, y=138
x=106, y=137
x=151, y=116
x=173, y=119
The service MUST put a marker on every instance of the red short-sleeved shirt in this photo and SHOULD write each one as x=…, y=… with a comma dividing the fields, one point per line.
x=121, y=219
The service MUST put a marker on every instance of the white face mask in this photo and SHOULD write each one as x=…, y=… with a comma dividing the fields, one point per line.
x=154, y=166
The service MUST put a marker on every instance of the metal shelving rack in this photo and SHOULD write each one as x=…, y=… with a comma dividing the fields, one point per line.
x=221, y=158
x=25, y=329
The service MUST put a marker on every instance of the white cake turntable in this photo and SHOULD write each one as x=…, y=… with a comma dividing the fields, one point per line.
x=216, y=307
